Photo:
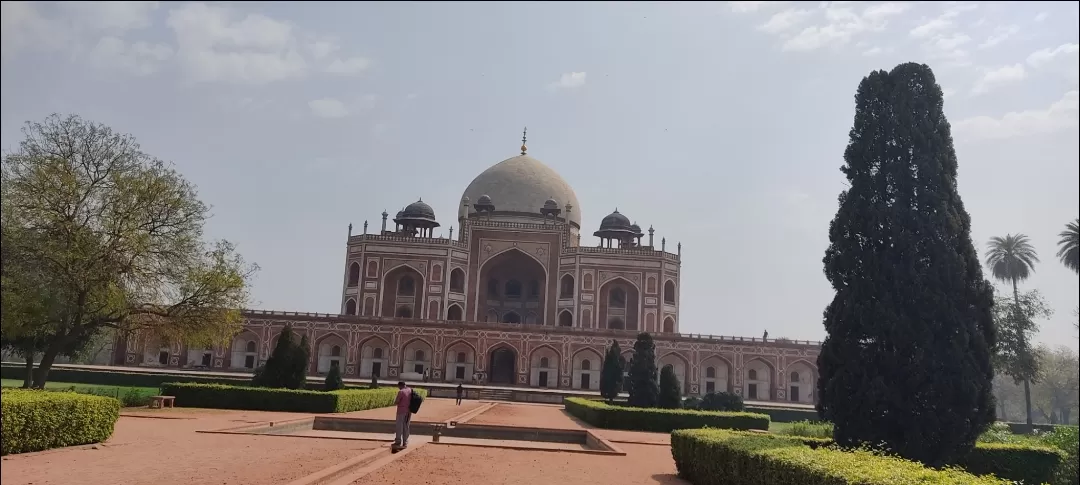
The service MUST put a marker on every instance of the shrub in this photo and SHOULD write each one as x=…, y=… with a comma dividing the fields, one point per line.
x=785, y=415
x=1067, y=439
x=810, y=429
x=273, y=399
x=670, y=389
x=692, y=402
x=284, y=367
x=1026, y=463
x=604, y=415
x=708, y=457
x=333, y=379
x=40, y=420
x=643, y=389
x=722, y=401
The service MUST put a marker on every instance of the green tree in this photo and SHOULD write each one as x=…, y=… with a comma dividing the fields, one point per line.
x=299, y=364
x=1057, y=394
x=644, y=389
x=670, y=389
x=906, y=363
x=1012, y=259
x=280, y=369
x=117, y=236
x=611, y=376
x=1014, y=321
x=333, y=379
x=1069, y=246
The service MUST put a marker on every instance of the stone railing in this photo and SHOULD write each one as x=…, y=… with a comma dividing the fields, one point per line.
x=629, y=334
x=426, y=241
x=621, y=251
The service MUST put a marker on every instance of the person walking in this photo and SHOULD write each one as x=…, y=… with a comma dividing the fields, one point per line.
x=404, y=415
x=460, y=391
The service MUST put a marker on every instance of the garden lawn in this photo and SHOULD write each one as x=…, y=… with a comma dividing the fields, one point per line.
x=100, y=390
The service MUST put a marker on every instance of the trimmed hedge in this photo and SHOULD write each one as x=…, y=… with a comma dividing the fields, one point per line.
x=119, y=378
x=785, y=415
x=720, y=457
x=274, y=399
x=39, y=420
x=1024, y=463
x=604, y=415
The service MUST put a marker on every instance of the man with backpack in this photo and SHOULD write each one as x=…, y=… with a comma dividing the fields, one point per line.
x=408, y=403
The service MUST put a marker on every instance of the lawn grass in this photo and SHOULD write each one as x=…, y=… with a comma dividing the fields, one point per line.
x=118, y=392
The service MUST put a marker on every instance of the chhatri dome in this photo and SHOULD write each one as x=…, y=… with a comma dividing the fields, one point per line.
x=520, y=186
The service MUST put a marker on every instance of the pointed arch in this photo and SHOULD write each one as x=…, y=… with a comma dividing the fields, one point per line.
x=244, y=350
x=566, y=318
x=502, y=363
x=492, y=316
x=680, y=365
x=374, y=357
x=395, y=293
x=669, y=291
x=619, y=302
x=544, y=363
x=457, y=280
x=325, y=354
x=354, y=274
x=457, y=369
x=566, y=286
x=722, y=379
x=454, y=313
x=350, y=306
x=511, y=317
x=802, y=379
x=760, y=388
x=417, y=355
x=585, y=365
x=669, y=324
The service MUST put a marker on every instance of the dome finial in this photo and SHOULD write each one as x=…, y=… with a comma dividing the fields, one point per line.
x=523, y=133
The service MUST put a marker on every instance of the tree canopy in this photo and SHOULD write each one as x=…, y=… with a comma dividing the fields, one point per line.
x=611, y=375
x=1069, y=246
x=644, y=389
x=906, y=361
x=98, y=234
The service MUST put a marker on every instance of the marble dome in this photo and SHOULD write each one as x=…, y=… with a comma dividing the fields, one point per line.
x=522, y=184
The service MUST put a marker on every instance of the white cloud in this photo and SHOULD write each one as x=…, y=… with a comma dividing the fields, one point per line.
x=743, y=7
x=569, y=80
x=1041, y=16
x=873, y=51
x=328, y=108
x=951, y=42
x=785, y=20
x=842, y=24
x=139, y=58
x=1063, y=59
x=995, y=78
x=1061, y=116
x=348, y=67
x=70, y=25
x=213, y=45
x=1001, y=34
x=947, y=92
x=322, y=49
x=942, y=23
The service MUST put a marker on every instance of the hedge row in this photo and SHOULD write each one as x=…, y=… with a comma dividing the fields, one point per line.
x=269, y=399
x=604, y=415
x=710, y=456
x=785, y=415
x=1021, y=463
x=39, y=420
x=119, y=378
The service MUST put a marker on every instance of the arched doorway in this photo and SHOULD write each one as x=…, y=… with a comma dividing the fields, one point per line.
x=512, y=279
x=501, y=370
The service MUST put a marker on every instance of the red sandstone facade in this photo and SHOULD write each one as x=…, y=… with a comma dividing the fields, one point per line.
x=514, y=300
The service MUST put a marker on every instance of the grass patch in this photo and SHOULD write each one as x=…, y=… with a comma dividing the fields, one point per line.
x=129, y=396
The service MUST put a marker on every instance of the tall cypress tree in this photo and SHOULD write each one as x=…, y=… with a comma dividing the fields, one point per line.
x=670, y=389
x=644, y=389
x=906, y=363
x=611, y=375
x=277, y=368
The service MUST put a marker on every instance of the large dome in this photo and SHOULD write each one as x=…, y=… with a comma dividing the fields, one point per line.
x=523, y=184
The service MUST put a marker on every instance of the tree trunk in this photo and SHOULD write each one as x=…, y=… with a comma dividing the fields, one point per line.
x=46, y=363
x=28, y=378
x=1027, y=400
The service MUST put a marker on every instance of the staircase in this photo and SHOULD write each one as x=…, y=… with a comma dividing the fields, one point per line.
x=496, y=395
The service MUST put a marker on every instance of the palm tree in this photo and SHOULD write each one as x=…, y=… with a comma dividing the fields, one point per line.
x=1069, y=246
x=1012, y=259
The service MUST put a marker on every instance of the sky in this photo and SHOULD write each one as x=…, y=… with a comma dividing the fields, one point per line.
x=722, y=125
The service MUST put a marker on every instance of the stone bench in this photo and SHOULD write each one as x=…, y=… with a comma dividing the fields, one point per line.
x=162, y=401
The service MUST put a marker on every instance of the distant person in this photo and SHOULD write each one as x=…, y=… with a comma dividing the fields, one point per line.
x=766, y=336
x=460, y=391
x=401, y=428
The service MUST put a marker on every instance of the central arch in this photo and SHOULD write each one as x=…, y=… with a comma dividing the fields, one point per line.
x=512, y=279
x=402, y=293
x=619, y=300
x=502, y=366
